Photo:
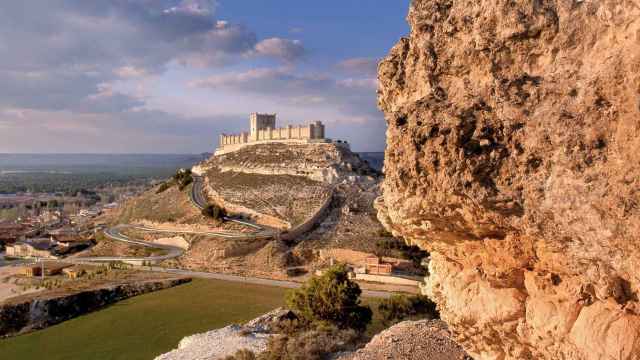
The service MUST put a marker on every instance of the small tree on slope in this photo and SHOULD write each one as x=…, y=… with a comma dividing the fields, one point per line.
x=331, y=299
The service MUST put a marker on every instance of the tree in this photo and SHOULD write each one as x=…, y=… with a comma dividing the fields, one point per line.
x=214, y=212
x=331, y=298
x=400, y=307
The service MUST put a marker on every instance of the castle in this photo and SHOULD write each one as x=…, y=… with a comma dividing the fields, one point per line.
x=263, y=129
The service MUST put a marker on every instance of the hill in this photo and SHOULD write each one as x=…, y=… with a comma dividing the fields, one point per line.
x=316, y=195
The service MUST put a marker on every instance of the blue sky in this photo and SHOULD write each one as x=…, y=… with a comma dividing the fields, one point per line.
x=161, y=76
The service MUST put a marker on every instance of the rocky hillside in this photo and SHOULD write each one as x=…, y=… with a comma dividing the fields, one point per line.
x=327, y=163
x=408, y=340
x=513, y=157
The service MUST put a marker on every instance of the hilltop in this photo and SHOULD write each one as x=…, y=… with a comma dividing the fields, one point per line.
x=316, y=195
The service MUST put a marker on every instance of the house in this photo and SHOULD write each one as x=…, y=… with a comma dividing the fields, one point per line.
x=32, y=270
x=77, y=271
x=54, y=268
x=375, y=266
x=50, y=269
x=33, y=248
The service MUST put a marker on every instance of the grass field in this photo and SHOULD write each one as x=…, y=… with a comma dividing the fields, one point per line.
x=148, y=325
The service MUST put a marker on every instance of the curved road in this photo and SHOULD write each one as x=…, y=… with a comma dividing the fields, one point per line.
x=198, y=199
x=200, y=202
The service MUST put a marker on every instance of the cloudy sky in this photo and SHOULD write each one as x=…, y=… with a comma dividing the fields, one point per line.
x=167, y=76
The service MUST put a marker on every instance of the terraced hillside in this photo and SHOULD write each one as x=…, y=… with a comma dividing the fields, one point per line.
x=289, y=198
x=319, y=195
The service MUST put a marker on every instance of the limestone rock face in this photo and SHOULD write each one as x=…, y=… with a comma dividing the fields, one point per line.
x=514, y=157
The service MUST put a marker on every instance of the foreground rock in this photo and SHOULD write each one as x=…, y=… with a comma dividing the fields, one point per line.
x=220, y=343
x=411, y=340
x=512, y=155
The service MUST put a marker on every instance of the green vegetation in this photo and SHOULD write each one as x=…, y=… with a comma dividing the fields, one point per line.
x=400, y=307
x=397, y=248
x=182, y=178
x=68, y=174
x=315, y=344
x=148, y=325
x=329, y=318
x=330, y=299
x=214, y=212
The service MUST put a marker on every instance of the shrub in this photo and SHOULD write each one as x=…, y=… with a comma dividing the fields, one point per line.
x=164, y=187
x=408, y=252
x=331, y=298
x=400, y=307
x=183, y=178
x=214, y=212
x=242, y=354
x=310, y=345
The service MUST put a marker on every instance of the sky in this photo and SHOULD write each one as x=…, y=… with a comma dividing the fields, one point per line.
x=168, y=76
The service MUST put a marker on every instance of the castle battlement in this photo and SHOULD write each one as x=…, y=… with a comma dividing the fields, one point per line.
x=262, y=128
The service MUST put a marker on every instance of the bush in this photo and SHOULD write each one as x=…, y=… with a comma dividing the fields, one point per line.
x=408, y=252
x=164, y=187
x=400, y=307
x=242, y=354
x=183, y=178
x=214, y=212
x=310, y=345
x=331, y=298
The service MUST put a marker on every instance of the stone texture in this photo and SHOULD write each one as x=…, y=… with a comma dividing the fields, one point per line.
x=513, y=156
x=411, y=340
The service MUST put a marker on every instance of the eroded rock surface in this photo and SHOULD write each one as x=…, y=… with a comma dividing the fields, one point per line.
x=411, y=340
x=514, y=157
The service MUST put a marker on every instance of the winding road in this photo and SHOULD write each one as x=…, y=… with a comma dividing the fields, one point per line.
x=198, y=199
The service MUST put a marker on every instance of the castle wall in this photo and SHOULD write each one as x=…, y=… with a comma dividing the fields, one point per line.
x=262, y=128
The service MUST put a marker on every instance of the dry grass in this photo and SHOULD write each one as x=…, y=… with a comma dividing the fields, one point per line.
x=290, y=198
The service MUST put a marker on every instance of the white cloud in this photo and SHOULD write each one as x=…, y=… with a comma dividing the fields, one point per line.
x=367, y=83
x=130, y=72
x=361, y=66
x=283, y=49
x=193, y=7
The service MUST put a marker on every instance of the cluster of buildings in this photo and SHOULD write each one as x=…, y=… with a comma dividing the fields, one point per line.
x=58, y=268
x=370, y=268
x=262, y=128
x=52, y=247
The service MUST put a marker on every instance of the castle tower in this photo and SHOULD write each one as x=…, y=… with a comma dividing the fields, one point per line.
x=260, y=122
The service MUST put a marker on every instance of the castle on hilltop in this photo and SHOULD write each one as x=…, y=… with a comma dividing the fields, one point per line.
x=262, y=129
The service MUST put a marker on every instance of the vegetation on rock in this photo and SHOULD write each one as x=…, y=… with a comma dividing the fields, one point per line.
x=182, y=179
x=331, y=299
x=214, y=212
x=401, y=307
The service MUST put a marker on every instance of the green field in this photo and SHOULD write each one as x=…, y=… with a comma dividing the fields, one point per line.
x=148, y=325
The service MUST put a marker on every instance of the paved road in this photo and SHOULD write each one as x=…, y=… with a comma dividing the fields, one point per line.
x=256, y=281
x=197, y=193
x=199, y=201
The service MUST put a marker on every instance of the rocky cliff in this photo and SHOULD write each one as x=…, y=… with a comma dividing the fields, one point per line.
x=513, y=156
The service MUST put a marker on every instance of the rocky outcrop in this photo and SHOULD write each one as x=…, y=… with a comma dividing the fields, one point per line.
x=34, y=312
x=323, y=162
x=513, y=156
x=220, y=343
x=411, y=340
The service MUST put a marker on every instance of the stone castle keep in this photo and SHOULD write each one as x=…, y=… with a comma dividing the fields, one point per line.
x=263, y=129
